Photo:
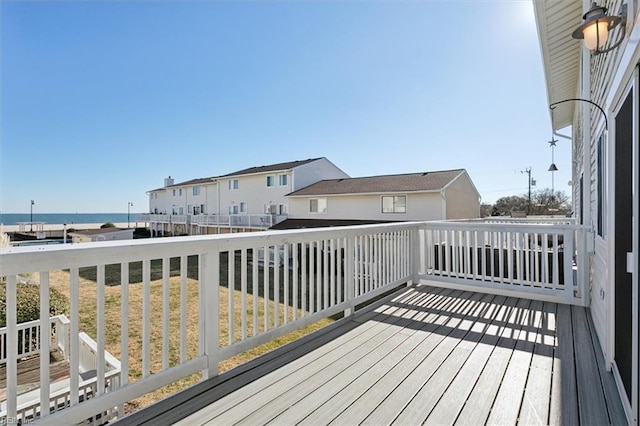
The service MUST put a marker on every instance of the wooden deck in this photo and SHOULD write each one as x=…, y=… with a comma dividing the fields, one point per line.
x=428, y=355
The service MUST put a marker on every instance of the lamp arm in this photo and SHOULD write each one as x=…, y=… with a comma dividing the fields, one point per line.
x=606, y=123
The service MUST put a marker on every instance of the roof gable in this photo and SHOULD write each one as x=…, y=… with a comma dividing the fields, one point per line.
x=413, y=182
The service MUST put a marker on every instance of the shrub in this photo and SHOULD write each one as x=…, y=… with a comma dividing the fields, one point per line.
x=28, y=298
x=107, y=225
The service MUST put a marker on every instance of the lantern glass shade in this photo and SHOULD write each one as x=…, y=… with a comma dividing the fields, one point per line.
x=596, y=34
x=553, y=168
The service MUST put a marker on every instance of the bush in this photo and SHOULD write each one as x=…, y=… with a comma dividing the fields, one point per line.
x=107, y=225
x=28, y=297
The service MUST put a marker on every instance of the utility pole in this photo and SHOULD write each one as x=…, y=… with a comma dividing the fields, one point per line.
x=528, y=172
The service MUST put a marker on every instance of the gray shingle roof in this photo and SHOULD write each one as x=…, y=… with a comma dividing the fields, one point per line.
x=271, y=168
x=427, y=181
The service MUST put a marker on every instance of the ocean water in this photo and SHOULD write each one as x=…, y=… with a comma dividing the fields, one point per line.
x=68, y=218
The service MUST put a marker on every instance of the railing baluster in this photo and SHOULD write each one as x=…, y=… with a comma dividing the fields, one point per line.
x=296, y=274
x=44, y=340
x=184, y=267
x=304, y=273
x=332, y=249
x=124, y=330
x=166, y=269
x=286, y=272
x=231, y=281
x=74, y=344
x=276, y=285
x=243, y=291
x=101, y=329
x=146, y=317
x=339, y=261
x=318, y=276
x=325, y=273
x=255, y=255
x=265, y=283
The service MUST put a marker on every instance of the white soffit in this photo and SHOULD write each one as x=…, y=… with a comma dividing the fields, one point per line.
x=556, y=20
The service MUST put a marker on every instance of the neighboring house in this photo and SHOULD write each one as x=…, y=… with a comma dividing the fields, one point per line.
x=406, y=197
x=102, y=234
x=248, y=199
x=598, y=96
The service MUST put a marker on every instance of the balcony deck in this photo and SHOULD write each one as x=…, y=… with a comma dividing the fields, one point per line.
x=426, y=355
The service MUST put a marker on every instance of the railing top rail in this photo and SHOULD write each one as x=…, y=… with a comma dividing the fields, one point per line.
x=17, y=260
x=518, y=227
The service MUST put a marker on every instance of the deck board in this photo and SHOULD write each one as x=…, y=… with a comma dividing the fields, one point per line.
x=430, y=356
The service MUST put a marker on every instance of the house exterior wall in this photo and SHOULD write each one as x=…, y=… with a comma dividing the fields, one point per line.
x=462, y=199
x=420, y=206
x=253, y=190
x=315, y=171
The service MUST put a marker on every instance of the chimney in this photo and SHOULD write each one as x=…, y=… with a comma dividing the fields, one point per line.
x=168, y=181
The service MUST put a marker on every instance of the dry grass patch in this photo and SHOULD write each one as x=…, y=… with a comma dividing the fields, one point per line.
x=113, y=324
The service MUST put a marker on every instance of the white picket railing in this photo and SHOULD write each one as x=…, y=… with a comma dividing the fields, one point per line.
x=283, y=281
x=530, y=258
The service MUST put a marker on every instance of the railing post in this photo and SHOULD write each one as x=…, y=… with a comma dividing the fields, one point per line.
x=568, y=251
x=350, y=281
x=209, y=278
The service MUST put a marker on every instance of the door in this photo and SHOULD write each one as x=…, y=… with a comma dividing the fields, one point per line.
x=623, y=228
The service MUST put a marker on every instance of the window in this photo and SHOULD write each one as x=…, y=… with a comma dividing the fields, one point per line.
x=233, y=209
x=270, y=209
x=181, y=210
x=190, y=209
x=282, y=209
x=196, y=190
x=180, y=192
x=601, y=176
x=282, y=180
x=243, y=207
x=174, y=192
x=202, y=209
x=233, y=184
x=318, y=205
x=271, y=181
x=394, y=204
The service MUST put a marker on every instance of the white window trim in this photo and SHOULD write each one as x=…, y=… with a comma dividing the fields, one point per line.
x=382, y=197
x=273, y=179
x=326, y=205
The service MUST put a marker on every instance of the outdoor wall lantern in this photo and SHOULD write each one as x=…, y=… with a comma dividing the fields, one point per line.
x=596, y=26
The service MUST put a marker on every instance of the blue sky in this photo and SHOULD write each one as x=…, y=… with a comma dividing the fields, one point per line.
x=101, y=100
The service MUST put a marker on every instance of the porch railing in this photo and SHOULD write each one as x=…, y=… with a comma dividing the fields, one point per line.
x=29, y=343
x=251, y=288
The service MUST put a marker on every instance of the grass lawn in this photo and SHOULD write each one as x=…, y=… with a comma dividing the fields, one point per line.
x=87, y=310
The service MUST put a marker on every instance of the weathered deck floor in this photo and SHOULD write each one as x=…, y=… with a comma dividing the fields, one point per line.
x=429, y=356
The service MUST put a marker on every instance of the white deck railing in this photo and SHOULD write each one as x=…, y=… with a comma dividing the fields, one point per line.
x=283, y=281
x=29, y=343
x=535, y=259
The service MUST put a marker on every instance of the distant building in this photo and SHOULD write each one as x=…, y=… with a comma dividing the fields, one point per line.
x=405, y=197
x=245, y=200
x=102, y=234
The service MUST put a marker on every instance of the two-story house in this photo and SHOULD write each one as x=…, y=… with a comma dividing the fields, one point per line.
x=244, y=200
